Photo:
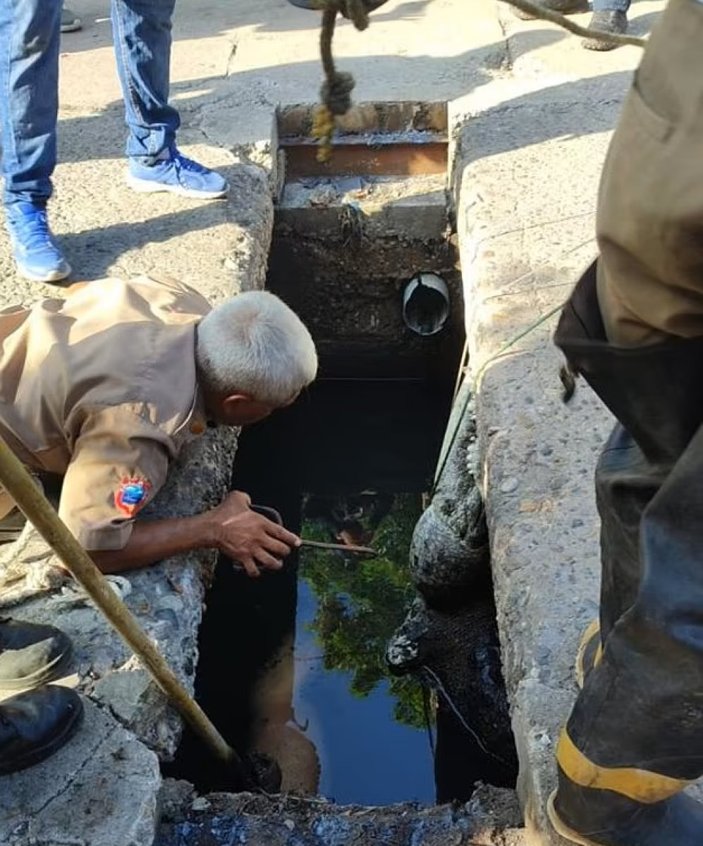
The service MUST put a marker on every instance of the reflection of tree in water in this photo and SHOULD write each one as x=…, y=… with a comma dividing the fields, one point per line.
x=361, y=601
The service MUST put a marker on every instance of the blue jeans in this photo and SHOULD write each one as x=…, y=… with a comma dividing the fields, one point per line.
x=611, y=5
x=29, y=70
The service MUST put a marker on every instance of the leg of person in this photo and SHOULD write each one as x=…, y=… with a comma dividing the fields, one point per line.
x=633, y=740
x=625, y=484
x=142, y=36
x=35, y=724
x=29, y=60
x=634, y=329
x=565, y=7
x=608, y=16
x=70, y=22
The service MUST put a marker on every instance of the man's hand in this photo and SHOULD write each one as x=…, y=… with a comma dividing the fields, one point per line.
x=248, y=537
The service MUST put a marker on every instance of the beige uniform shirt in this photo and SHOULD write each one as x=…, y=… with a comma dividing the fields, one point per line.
x=101, y=387
x=650, y=211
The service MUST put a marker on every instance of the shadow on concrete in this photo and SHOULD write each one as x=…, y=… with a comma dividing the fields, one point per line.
x=524, y=121
x=212, y=18
x=571, y=110
x=643, y=24
x=93, y=253
x=567, y=108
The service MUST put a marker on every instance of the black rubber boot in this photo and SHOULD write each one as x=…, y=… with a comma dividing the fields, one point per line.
x=593, y=817
x=612, y=22
x=30, y=654
x=634, y=739
x=35, y=724
x=564, y=7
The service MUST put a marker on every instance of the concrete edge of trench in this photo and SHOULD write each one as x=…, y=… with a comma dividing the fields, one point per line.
x=105, y=787
x=537, y=455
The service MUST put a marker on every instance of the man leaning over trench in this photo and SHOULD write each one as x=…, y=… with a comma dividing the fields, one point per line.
x=634, y=329
x=104, y=388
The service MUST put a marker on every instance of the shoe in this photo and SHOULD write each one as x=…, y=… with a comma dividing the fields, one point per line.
x=564, y=7
x=317, y=5
x=35, y=251
x=592, y=817
x=612, y=22
x=30, y=654
x=177, y=174
x=35, y=724
x=70, y=22
x=11, y=526
x=589, y=653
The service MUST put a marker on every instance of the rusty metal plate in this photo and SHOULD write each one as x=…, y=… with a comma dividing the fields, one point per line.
x=364, y=160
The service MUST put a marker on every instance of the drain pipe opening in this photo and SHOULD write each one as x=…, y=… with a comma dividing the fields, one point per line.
x=426, y=304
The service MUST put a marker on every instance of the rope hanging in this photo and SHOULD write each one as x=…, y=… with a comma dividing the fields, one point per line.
x=337, y=88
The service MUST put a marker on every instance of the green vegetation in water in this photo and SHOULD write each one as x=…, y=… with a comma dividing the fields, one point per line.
x=361, y=601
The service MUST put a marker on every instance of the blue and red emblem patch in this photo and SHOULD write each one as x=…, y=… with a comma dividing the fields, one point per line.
x=131, y=494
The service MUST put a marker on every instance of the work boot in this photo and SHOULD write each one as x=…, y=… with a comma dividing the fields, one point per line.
x=612, y=22
x=564, y=7
x=592, y=817
x=177, y=174
x=34, y=248
x=31, y=654
x=35, y=724
x=589, y=652
x=11, y=526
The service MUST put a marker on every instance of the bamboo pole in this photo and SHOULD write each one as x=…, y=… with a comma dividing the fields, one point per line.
x=32, y=502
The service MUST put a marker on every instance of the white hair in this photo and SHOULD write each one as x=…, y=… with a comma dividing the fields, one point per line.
x=255, y=344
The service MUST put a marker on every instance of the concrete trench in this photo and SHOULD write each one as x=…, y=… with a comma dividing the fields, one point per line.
x=129, y=726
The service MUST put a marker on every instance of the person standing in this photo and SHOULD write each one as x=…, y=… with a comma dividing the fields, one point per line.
x=105, y=387
x=29, y=64
x=633, y=328
x=609, y=16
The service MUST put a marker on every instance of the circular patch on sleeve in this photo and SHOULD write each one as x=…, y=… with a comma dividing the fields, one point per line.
x=131, y=494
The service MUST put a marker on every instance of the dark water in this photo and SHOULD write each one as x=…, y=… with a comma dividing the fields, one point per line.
x=293, y=663
x=367, y=756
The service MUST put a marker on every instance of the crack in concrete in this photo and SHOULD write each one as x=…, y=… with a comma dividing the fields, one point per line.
x=507, y=63
x=74, y=775
x=229, y=69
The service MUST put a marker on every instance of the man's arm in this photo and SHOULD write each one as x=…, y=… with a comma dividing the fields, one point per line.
x=232, y=528
x=119, y=462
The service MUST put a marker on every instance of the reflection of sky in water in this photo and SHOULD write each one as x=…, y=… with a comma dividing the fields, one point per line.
x=366, y=756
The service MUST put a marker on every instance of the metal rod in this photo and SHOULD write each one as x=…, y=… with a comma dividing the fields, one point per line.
x=343, y=547
x=32, y=502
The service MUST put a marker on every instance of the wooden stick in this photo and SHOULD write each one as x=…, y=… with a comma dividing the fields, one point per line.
x=32, y=502
x=343, y=547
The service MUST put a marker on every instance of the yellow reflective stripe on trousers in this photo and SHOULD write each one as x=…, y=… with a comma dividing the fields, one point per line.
x=640, y=785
